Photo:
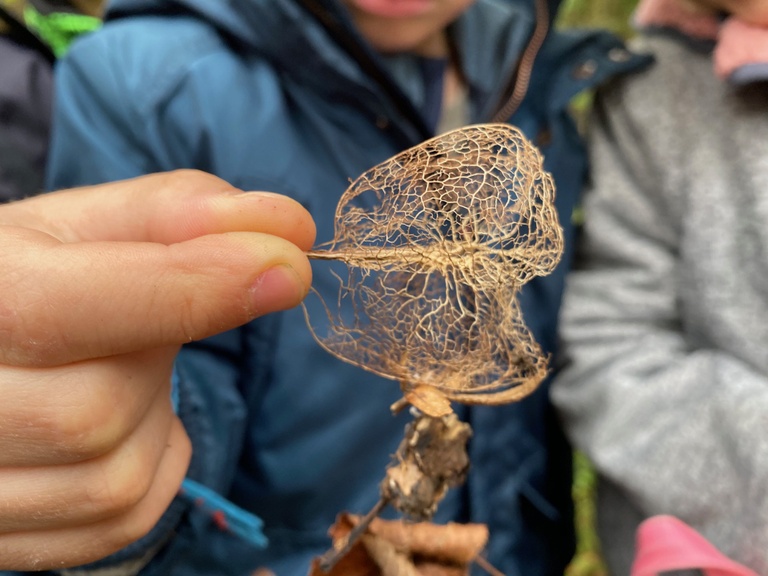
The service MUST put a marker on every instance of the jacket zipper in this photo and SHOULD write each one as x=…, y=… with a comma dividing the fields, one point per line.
x=513, y=96
x=342, y=35
x=521, y=77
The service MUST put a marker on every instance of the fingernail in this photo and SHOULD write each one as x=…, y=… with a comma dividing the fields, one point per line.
x=279, y=288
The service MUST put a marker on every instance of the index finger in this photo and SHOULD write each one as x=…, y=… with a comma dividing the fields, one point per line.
x=167, y=208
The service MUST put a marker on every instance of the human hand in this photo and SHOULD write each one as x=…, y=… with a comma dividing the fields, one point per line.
x=99, y=287
x=754, y=12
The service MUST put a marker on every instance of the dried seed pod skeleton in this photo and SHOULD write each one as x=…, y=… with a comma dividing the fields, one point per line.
x=435, y=244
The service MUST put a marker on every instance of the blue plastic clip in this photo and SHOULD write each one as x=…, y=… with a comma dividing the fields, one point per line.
x=224, y=514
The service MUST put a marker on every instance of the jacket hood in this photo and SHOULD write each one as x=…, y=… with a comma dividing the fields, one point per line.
x=235, y=17
x=248, y=21
x=491, y=36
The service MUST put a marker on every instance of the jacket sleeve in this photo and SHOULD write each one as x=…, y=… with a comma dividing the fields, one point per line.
x=679, y=428
x=103, y=131
x=99, y=133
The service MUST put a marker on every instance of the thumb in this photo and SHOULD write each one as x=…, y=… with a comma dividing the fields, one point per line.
x=64, y=302
x=153, y=261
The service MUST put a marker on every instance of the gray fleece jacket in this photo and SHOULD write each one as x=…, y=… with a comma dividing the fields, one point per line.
x=665, y=319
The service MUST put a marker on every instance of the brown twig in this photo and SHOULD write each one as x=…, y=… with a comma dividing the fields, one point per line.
x=330, y=559
x=482, y=561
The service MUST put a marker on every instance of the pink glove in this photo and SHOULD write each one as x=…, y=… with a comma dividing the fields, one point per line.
x=665, y=543
x=741, y=53
x=741, y=48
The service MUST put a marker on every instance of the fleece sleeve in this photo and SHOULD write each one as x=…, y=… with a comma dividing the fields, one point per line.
x=679, y=427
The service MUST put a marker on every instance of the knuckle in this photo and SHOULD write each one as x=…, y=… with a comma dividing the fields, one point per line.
x=30, y=330
x=23, y=342
x=189, y=179
x=85, y=430
x=195, y=315
x=138, y=529
x=195, y=319
x=122, y=486
x=182, y=175
x=134, y=528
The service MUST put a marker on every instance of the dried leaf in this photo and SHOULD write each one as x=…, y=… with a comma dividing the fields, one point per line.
x=398, y=548
x=429, y=254
x=434, y=246
x=433, y=569
x=390, y=561
x=356, y=562
x=450, y=543
x=429, y=400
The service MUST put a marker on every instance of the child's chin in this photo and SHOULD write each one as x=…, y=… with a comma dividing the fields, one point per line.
x=394, y=9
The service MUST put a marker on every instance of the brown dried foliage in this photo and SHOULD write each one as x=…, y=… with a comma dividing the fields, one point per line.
x=431, y=459
x=437, y=242
x=398, y=548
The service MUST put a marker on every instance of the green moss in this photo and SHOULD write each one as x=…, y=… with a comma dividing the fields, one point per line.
x=587, y=561
x=611, y=14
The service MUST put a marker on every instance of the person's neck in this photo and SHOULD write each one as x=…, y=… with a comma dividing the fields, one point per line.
x=454, y=109
x=453, y=84
x=436, y=46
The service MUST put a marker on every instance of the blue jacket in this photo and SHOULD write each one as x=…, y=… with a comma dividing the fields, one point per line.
x=259, y=93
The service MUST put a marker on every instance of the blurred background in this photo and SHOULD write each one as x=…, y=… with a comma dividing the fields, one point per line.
x=614, y=15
